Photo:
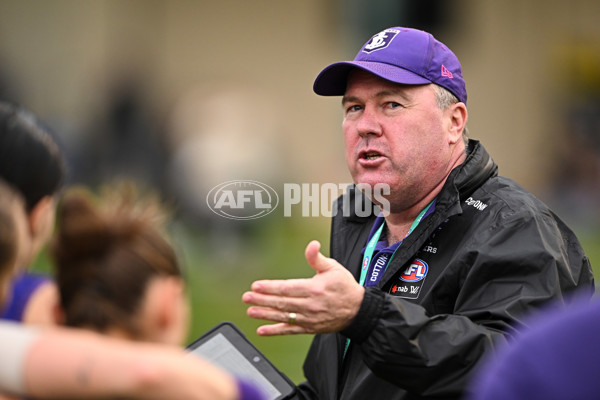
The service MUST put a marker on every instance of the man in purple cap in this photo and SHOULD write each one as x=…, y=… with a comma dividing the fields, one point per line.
x=413, y=298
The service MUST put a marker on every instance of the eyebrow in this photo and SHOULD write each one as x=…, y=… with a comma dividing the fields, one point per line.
x=386, y=92
x=349, y=99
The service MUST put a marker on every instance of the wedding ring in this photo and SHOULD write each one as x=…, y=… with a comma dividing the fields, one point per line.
x=292, y=318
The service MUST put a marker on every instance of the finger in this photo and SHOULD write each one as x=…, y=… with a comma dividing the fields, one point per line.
x=274, y=315
x=287, y=287
x=276, y=302
x=316, y=259
x=281, y=329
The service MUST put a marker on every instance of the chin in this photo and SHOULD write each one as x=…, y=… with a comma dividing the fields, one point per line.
x=371, y=183
x=376, y=191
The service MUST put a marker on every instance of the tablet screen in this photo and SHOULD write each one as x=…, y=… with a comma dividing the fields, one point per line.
x=227, y=347
x=221, y=352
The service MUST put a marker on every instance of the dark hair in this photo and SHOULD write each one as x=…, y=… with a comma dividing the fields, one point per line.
x=30, y=159
x=105, y=252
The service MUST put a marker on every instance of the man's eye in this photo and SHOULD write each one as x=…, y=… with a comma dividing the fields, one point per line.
x=353, y=108
x=393, y=104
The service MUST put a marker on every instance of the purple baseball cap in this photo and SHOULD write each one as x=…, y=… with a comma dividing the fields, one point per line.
x=401, y=55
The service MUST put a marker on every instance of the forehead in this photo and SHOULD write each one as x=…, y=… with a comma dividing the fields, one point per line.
x=359, y=80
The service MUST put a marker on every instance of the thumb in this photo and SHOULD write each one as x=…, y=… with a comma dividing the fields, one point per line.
x=318, y=261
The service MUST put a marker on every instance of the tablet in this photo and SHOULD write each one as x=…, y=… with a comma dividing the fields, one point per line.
x=226, y=346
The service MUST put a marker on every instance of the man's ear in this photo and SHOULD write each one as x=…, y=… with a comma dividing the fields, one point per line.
x=458, y=120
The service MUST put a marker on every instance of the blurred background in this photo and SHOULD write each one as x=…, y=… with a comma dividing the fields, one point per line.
x=182, y=95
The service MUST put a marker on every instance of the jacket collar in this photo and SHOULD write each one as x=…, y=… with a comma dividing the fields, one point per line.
x=477, y=168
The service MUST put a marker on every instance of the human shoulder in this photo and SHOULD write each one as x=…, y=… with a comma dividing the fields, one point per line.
x=503, y=212
x=32, y=299
x=509, y=200
x=42, y=305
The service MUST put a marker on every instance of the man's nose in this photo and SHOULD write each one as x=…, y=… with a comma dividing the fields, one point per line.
x=368, y=124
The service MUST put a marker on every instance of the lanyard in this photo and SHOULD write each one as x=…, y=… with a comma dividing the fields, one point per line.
x=371, y=248
x=373, y=242
x=369, y=253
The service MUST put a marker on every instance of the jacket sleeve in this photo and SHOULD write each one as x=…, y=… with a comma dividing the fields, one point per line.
x=499, y=276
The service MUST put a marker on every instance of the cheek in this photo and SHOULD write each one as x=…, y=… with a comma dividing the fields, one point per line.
x=350, y=144
x=429, y=137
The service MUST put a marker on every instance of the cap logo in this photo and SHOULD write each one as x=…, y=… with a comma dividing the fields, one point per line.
x=446, y=72
x=381, y=40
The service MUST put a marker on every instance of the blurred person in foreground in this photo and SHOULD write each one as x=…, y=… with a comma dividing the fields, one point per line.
x=67, y=363
x=555, y=359
x=414, y=297
x=32, y=163
x=116, y=271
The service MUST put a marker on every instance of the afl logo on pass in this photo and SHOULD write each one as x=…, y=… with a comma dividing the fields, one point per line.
x=415, y=272
x=242, y=199
x=365, y=263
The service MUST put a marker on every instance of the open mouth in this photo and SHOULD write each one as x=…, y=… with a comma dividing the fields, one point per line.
x=370, y=155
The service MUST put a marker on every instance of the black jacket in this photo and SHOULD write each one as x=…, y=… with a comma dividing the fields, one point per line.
x=494, y=253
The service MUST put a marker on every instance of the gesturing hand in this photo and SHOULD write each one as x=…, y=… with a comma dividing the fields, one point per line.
x=327, y=302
